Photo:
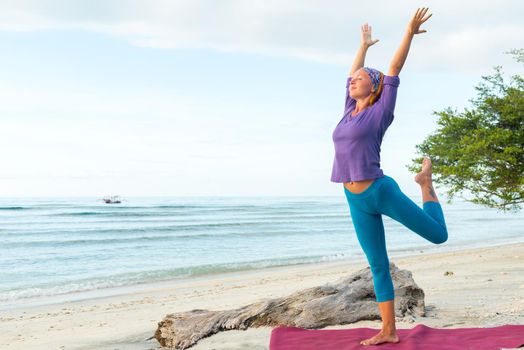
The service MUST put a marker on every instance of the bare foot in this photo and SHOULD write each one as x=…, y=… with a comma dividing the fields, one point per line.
x=381, y=338
x=425, y=175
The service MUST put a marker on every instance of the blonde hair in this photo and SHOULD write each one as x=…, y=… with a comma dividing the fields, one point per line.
x=375, y=95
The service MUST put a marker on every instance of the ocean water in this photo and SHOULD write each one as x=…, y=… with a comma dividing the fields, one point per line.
x=53, y=247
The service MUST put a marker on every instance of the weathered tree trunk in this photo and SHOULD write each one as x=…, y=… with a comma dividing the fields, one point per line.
x=345, y=301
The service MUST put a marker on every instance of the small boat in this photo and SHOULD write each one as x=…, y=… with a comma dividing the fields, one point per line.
x=112, y=200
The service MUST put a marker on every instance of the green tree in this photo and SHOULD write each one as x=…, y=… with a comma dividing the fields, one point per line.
x=481, y=150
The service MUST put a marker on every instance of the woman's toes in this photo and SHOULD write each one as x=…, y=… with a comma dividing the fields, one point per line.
x=380, y=338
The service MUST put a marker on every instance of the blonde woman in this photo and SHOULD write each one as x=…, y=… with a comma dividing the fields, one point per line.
x=370, y=103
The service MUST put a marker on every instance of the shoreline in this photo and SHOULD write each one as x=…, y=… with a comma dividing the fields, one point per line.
x=101, y=293
x=486, y=288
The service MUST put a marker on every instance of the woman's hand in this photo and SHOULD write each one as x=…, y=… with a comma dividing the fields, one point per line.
x=366, y=36
x=417, y=20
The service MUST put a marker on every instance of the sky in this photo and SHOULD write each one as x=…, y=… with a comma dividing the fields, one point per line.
x=222, y=98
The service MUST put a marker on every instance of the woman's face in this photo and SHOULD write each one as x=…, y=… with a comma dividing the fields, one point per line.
x=360, y=86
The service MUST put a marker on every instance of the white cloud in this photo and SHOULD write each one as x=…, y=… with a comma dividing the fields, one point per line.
x=472, y=49
x=160, y=140
x=324, y=31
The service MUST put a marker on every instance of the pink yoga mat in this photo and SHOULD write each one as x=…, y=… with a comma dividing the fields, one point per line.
x=420, y=337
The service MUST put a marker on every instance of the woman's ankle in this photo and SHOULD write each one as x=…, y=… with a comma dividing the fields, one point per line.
x=389, y=331
x=428, y=193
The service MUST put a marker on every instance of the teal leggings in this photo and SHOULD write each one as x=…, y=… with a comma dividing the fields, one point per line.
x=384, y=196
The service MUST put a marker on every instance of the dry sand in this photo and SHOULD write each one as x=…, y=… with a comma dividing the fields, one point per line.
x=486, y=289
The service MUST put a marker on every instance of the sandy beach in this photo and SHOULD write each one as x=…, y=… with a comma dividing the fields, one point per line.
x=486, y=288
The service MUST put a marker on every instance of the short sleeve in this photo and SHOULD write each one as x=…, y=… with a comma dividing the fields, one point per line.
x=388, y=97
x=350, y=101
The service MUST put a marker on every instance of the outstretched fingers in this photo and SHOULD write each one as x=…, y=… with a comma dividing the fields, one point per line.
x=366, y=35
x=419, y=18
x=424, y=19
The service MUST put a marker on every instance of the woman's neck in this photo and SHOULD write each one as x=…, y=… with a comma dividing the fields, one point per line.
x=361, y=105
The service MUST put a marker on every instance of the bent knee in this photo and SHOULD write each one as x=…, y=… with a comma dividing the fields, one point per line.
x=441, y=238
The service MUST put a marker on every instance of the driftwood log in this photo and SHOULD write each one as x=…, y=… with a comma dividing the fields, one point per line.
x=347, y=300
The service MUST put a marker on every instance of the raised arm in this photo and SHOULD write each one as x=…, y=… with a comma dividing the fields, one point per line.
x=366, y=42
x=402, y=52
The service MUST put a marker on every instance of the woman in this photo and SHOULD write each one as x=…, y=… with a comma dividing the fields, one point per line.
x=370, y=103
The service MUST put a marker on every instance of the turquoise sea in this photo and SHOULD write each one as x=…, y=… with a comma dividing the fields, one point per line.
x=52, y=247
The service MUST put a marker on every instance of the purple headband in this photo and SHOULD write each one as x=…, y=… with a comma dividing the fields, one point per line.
x=374, y=75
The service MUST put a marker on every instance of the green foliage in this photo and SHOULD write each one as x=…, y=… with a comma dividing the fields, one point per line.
x=481, y=150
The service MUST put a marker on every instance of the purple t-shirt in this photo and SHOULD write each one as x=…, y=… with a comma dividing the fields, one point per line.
x=358, y=138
